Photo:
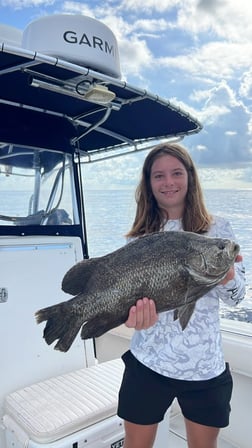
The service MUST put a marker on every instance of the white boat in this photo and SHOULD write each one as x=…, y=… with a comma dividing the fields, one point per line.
x=58, y=112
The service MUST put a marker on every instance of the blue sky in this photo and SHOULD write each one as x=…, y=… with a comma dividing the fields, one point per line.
x=196, y=53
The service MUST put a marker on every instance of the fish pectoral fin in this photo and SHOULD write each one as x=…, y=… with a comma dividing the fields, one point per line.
x=184, y=314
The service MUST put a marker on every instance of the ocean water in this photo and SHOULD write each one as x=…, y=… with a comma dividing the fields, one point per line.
x=109, y=215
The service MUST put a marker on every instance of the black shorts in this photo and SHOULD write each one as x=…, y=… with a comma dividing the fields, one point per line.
x=145, y=396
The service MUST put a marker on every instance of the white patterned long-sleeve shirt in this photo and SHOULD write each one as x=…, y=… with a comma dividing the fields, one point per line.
x=194, y=353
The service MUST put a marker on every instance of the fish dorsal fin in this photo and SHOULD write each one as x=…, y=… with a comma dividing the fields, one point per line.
x=76, y=279
x=184, y=314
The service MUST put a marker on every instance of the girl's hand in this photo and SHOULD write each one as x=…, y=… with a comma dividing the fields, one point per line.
x=142, y=315
x=231, y=273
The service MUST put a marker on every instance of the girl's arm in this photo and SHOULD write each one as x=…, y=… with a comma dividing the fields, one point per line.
x=232, y=289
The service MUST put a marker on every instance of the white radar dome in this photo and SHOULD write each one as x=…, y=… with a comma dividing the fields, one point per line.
x=78, y=39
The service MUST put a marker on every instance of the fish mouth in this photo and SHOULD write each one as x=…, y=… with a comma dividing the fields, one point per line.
x=236, y=249
x=232, y=249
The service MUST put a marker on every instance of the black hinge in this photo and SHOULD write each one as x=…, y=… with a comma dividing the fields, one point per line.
x=3, y=295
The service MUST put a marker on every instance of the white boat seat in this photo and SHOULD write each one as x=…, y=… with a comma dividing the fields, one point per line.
x=54, y=408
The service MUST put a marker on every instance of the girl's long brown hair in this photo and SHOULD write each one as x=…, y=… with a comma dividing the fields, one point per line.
x=149, y=217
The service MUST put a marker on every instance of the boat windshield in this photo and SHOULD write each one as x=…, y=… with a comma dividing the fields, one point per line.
x=36, y=187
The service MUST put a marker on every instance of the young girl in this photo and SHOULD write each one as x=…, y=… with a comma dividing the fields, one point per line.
x=165, y=362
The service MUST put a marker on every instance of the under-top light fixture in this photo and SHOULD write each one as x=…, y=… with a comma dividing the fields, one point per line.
x=99, y=94
x=96, y=93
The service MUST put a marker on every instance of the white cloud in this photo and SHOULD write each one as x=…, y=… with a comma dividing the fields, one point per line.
x=226, y=133
x=148, y=6
x=222, y=99
x=220, y=177
x=19, y=4
x=152, y=27
x=199, y=95
x=246, y=84
x=78, y=8
x=135, y=56
x=213, y=60
x=230, y=133
x=227, y=19
x=121, y=173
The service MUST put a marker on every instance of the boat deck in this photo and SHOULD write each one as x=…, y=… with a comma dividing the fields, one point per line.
x=177, y=436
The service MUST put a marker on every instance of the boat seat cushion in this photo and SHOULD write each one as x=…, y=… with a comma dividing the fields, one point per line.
x=59, y=406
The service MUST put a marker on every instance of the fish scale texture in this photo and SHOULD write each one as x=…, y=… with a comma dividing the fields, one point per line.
x=62, y=405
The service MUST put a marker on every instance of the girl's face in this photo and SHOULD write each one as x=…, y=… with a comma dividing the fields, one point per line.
x=169, y=184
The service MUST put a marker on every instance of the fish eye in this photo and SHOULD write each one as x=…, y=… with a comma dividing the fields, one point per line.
x=221, y=245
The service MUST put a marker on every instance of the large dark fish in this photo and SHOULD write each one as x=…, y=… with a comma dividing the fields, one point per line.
x=173, y=268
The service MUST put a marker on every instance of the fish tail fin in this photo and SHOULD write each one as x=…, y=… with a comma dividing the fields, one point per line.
x=62, y=324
